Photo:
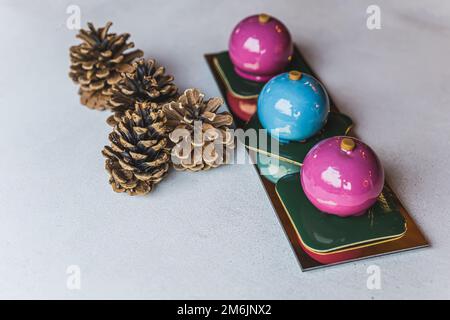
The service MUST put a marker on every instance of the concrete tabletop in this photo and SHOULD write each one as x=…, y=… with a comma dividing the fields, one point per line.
x=65, y=234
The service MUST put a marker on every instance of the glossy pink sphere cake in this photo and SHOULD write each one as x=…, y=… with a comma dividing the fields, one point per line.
x=260, y=47
x=342, y=176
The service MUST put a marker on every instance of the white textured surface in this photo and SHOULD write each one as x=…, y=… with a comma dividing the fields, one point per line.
x=213, y=234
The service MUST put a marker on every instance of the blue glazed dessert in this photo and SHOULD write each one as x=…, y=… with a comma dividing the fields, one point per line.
x=293, y=106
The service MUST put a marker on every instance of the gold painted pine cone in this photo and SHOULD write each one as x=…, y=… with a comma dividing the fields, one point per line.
x=201, y=135
x=138, y=157
x=145, y=82
x=97, y=63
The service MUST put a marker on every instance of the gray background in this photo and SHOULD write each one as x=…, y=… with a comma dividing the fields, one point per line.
x=212, y=234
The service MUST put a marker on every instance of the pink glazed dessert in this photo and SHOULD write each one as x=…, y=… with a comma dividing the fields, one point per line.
x=260, y=47
x=342, y=176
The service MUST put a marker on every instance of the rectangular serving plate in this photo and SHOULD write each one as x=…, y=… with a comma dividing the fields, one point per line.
x=412, y=239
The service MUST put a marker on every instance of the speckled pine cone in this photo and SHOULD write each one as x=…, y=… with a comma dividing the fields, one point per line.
x=138, y=157
x=98, y=62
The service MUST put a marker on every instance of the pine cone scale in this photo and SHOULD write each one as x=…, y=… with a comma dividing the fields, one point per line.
x=113, y=79
x=104, y=31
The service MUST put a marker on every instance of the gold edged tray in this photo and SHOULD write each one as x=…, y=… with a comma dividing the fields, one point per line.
x=413, y=238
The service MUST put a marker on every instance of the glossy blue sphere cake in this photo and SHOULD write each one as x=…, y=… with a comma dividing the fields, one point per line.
x=293, y=106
